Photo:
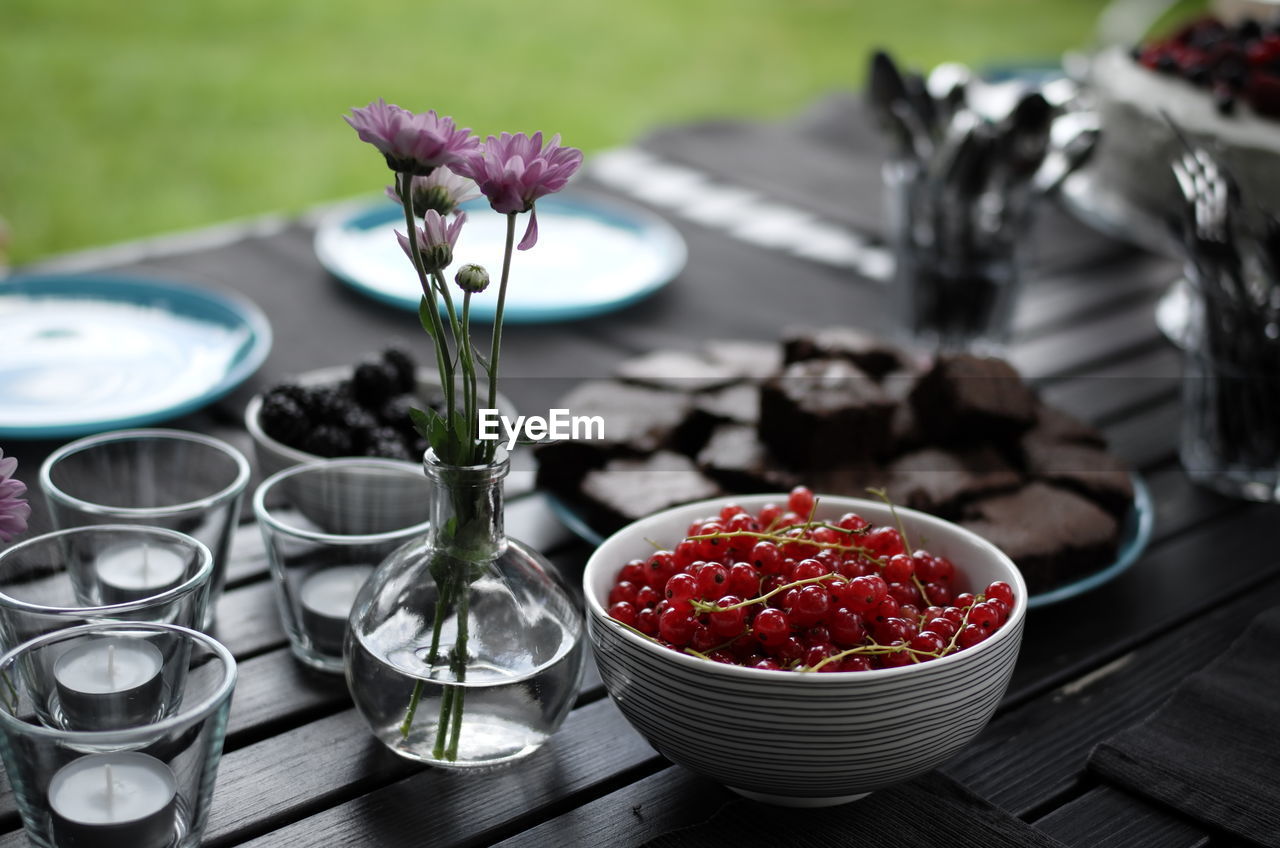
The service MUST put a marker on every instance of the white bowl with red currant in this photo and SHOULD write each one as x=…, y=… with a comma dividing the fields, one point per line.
x=804, y=651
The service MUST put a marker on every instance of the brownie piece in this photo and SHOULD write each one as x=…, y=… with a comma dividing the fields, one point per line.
x=752, y=360
x=1054, y=425
x=677, y=370
x=822, y=413
x=735, y=458
x=941, y=482
x=1099, y=476
x=625, y=490
x=1053, y=535
x=966, y=398
x=637, y=421
x=870, y=354
x=849, y=482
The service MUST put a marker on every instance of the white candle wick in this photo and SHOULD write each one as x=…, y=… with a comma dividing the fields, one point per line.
x=111, y=666
x=106, y=774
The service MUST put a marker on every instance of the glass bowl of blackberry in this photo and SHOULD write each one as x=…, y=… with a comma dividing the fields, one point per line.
x=345, y=411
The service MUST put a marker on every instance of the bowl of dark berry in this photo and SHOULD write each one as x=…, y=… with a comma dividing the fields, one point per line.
x=350, y=411
x=804, y=651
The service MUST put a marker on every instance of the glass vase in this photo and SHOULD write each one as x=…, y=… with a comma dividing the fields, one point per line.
x=465, y=648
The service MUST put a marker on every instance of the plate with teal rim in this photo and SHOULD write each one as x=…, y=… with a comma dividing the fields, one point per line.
x=86, y=353
x=1135, y=534
x=594, y=255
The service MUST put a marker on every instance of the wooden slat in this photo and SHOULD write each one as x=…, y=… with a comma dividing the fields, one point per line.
x=632, y=815
x=1110, y=818
x=1038, y=751
x=595, y=747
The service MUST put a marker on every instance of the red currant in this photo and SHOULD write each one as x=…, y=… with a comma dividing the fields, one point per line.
x=743, y=580
x=970, y=636
x=1001, y=591
x=898, y=568
x=852, y=521
x=633, y=572
x=772, y=627
x=623, y=590
x=712, y=582
x=647, y=622
x=681, y=587
x=847, y=628
x=624, y=612
x=766, y=557
x=883, y=542
x=801, y=501
x=728, y=622
x=676, y=627
x=769, y=514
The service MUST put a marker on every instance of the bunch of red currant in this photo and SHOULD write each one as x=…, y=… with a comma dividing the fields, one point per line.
x=780, y=590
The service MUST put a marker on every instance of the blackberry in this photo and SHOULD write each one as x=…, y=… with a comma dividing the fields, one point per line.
x=283, y=419
x=292, y=391
x=373, y=383
x=395, y=412
x=385, y=442
x=405, y=369
x=329, y=440
x=327, y=404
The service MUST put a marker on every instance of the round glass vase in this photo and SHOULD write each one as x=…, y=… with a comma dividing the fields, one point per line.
x=465, y=647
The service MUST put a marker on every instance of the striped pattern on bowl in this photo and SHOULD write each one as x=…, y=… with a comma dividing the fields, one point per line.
x=798, y=738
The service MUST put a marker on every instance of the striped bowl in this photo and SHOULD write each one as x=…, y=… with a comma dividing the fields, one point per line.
x=802, y=739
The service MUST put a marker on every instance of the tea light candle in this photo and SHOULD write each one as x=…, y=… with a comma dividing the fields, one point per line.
x=106, y=684
x=109, y=800
x=326, y=597
x=133, y=572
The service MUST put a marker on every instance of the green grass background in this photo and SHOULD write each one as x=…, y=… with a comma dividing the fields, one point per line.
x=129, y=118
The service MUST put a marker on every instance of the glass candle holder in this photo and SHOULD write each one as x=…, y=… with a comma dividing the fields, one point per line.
x=108, y=572
x=1231, y=395
x=160, y=478
x=958, y=259
x=326, y=526
x=145, y=780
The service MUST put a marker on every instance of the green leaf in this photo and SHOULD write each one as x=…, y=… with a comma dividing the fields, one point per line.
x=422, y=420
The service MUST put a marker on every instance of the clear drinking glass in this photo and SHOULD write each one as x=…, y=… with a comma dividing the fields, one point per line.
x=101, y=573
x=327, y=525
x=958, y=259
x=161, y=478
x=1231, y=395
x=111, y=734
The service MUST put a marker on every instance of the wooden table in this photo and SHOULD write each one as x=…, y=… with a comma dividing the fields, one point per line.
x=300, y=768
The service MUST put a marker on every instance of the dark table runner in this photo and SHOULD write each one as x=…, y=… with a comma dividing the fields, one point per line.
x=1213, y=750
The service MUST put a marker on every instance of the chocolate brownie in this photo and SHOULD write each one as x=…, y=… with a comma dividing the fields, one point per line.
x=677, y=370
x=822, y=413
x=966, y=398
x=752, y=360
x=1054, y=425
x=626, y=490
x=1053, y=535
x=637, y=421
x=735, y=458
x=941, y=481
x=1089, y=471
x=869, y=353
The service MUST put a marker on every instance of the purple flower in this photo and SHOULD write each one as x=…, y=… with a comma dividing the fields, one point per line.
x=441, y=190
x=14, y=510
x=436, y=239
x=513, y=171
x=412, y=143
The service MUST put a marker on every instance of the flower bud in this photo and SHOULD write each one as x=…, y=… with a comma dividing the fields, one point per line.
x=436, y=257
x=472, y=278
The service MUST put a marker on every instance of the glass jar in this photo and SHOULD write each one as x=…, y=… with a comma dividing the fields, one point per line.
x=465, y=648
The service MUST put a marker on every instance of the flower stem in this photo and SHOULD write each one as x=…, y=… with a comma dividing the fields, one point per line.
x=496, y=348
x=441, y=345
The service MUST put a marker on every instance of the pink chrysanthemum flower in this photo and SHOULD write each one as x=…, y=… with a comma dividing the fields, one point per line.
x=441, y=190
x=513, y=171
x=436, y=240
x=14, y=509
x=413, y=143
